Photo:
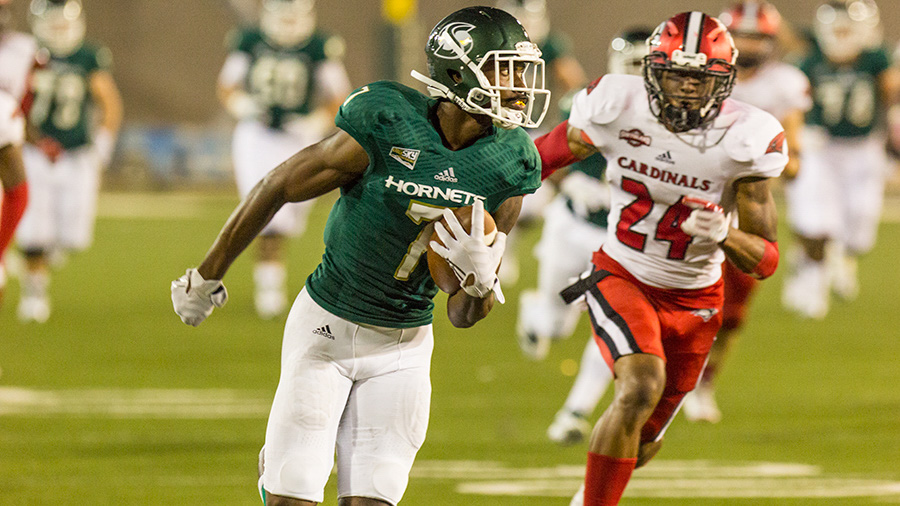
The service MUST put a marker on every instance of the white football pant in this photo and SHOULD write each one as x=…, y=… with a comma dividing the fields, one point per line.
x=361, y=390
x=62, y=200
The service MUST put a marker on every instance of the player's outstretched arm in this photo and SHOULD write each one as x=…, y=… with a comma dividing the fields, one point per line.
x=334, y=162
x=465, y=310
x=561, y=147
x=753, y=247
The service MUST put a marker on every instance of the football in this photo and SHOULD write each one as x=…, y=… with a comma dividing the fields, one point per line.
x=440, y=270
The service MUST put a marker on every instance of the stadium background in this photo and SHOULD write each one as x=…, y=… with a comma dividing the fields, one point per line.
x=114, y=401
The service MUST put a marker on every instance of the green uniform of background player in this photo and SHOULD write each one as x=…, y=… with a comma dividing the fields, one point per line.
x=73, y=123
x=283, y=81
x=837, y=197
x=357, y=343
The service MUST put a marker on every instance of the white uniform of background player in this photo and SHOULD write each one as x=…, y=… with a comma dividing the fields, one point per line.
x=268, y=73
x=572, y=232
x=566, y=76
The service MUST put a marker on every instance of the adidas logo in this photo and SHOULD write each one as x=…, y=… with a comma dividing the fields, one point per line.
x=665, y=157
x=324, y=332
x=447, y=176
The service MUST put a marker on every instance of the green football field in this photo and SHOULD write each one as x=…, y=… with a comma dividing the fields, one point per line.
x=115, y=401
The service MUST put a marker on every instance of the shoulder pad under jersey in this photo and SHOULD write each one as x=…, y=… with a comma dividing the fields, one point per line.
x=605, y=99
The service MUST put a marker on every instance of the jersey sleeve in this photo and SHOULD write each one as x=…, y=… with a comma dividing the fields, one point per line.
x=759, y=144
x=797, y=90
x=358, y=115
x=599, y=104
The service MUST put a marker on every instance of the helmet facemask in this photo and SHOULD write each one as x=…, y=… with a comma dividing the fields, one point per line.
x=287, y=23
x=686, y=91
x=59, y=26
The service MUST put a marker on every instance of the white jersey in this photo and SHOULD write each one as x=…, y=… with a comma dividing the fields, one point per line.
x=650, y=169
x=17, y=53
x=777, y=88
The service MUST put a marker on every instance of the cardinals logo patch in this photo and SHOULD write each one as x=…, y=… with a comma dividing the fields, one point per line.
x=705, y=314
x=777, y=144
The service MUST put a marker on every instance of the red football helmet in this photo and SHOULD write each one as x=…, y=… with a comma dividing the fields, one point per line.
x=752, y=17
x=689, y=71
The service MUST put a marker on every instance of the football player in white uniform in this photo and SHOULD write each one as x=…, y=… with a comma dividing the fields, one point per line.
x=837, y=197
x=682, y=158
x=566, y=76
x=783, y=91
x=74, y=121
x=283, y=82
x=17, y=57
x=574, y=227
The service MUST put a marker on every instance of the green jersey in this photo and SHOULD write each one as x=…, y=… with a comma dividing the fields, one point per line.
x=283, y=80
x=847, y=100
x=63, y=105
x=373, y=270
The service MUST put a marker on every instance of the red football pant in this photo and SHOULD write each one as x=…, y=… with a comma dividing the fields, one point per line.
x=679, y=326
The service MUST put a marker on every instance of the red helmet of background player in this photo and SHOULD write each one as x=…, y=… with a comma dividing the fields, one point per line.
x=752, y=17
x=689, y=70
x=754, y=25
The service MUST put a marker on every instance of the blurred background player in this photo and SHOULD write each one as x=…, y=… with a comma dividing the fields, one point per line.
x=574, y=228
x=283, y=82
x=783, y=91
x=73, y=123
x=835, y=202
x=17, y=53
x=565, y=77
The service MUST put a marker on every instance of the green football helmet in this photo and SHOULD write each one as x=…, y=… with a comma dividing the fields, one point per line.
x=471, y=41
x=58, y=25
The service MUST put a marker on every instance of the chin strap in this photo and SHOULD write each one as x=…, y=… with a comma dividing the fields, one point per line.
x=438, y=90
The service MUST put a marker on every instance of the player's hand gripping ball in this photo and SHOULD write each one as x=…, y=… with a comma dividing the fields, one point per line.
x=445, y=276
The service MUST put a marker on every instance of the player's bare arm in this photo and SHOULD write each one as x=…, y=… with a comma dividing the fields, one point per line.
x=334, y=162
x=106, y=95
x=746, y=246
x=465, y=310
x=793, y=127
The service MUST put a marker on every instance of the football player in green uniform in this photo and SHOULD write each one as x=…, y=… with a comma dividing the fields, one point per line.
x=358, y=340
x=74, y=120
x=837, y=197
x=283, y=82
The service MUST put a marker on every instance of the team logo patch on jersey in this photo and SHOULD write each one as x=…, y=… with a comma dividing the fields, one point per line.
x=635, y=137
x=324, y=332
x=666, y=157
x=705, y=314
x=777, y=144
x=446, y=176
x=405, y=156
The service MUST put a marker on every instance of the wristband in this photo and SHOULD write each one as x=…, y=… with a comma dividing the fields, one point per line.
x=769, y=262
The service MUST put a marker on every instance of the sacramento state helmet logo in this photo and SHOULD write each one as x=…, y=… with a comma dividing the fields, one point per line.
x=454, y=34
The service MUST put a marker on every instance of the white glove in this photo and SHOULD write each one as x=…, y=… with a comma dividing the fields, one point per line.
x=707, y=220
x=194, y=297
x=588, y=194
x=474, y=262
x=104, y=145
x=241, y=105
